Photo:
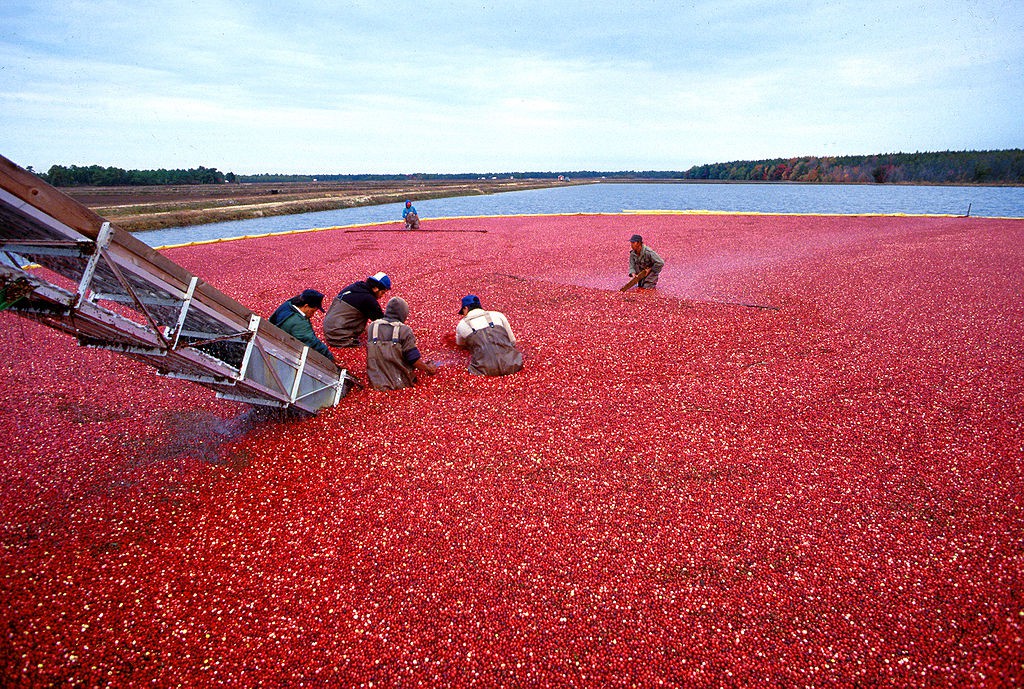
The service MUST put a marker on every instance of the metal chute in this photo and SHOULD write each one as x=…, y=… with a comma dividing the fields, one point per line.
x=67, y=268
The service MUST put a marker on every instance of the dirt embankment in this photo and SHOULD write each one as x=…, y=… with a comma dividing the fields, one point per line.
x=151, y=208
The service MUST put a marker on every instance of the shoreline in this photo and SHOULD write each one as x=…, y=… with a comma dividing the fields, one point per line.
x=138, y=209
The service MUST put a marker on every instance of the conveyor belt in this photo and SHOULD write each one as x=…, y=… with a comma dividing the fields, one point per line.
x=112, y=291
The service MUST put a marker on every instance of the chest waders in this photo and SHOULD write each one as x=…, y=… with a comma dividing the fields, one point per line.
x=343, y=323
x=385, y=362
x=493, y=351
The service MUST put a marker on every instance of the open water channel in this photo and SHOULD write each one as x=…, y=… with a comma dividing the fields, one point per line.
x=617, y=198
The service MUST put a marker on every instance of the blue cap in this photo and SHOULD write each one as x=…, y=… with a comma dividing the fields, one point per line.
x=470, y=301
x=380, y=279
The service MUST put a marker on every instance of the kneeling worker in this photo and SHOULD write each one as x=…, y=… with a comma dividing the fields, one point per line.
x=352, y=308
x=489, y=337
x=391, y=353
x=295, y=318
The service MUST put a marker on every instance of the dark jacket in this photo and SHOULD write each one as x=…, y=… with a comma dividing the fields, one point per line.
x=349, y=313
x=283, y=311
x=358, y=294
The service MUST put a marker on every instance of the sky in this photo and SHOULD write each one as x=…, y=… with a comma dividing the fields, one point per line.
x=308, y=87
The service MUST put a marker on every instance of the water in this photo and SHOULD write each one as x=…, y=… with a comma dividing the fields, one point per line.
x=616, y=198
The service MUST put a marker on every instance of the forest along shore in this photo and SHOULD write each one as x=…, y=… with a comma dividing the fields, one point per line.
x=156, y=207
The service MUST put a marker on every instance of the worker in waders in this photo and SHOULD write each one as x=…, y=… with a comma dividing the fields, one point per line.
x=353, y=308
x=489, y=337
x=643, y=258
x=392, y=357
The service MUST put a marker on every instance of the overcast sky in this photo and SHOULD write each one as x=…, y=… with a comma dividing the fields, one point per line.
x=401, y=87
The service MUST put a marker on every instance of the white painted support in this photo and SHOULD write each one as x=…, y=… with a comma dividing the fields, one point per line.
x=256, y=344
x=323, y=386
x=298, y=375
x=340, y=387
x=139, y=304
x=184, y=310
x=102, y=239
x=254, y=324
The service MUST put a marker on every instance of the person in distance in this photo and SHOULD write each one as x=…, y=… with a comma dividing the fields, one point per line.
x=411, y=217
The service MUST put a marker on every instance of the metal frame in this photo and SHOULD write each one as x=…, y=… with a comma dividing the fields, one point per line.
x=158, y=313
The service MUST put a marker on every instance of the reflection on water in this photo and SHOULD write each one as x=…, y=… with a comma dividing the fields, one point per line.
x=616, y=198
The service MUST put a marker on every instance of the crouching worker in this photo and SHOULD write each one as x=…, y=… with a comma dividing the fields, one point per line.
x=353, y=308
x=392, y=357
x=489, y=337
x=295, y=318
x=412, y=218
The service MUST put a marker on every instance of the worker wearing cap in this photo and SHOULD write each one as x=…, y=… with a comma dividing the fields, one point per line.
x=392, y=357
x=488, y=335
x=353, y=308
x=411, y=217
x=295, y=318
x=643, y=258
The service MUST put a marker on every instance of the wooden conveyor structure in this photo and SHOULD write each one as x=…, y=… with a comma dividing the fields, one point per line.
x=112, y=291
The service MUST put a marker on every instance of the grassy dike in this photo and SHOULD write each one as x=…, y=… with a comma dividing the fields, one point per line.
x=151, y=208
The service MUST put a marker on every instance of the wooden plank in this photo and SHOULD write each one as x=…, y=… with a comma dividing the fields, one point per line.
x=636, y=278
x=37, y=193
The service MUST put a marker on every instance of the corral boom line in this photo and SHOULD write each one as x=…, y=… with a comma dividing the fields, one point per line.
x=354, y=227
x=417, y=231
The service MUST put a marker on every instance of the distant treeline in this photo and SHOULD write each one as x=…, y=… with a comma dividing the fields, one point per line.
x=98, y=176
x=942, y=167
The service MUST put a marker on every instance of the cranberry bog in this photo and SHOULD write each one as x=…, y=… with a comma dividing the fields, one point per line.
x=799, y=462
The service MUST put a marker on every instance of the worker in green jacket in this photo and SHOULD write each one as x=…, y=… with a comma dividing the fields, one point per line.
x=295, y=318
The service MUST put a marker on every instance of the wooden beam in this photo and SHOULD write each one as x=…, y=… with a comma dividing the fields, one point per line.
x=37, y=193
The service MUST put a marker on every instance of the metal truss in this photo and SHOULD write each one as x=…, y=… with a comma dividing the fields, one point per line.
x=65, y=267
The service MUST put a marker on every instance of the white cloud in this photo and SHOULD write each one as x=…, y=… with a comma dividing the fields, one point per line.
x=401, y=87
